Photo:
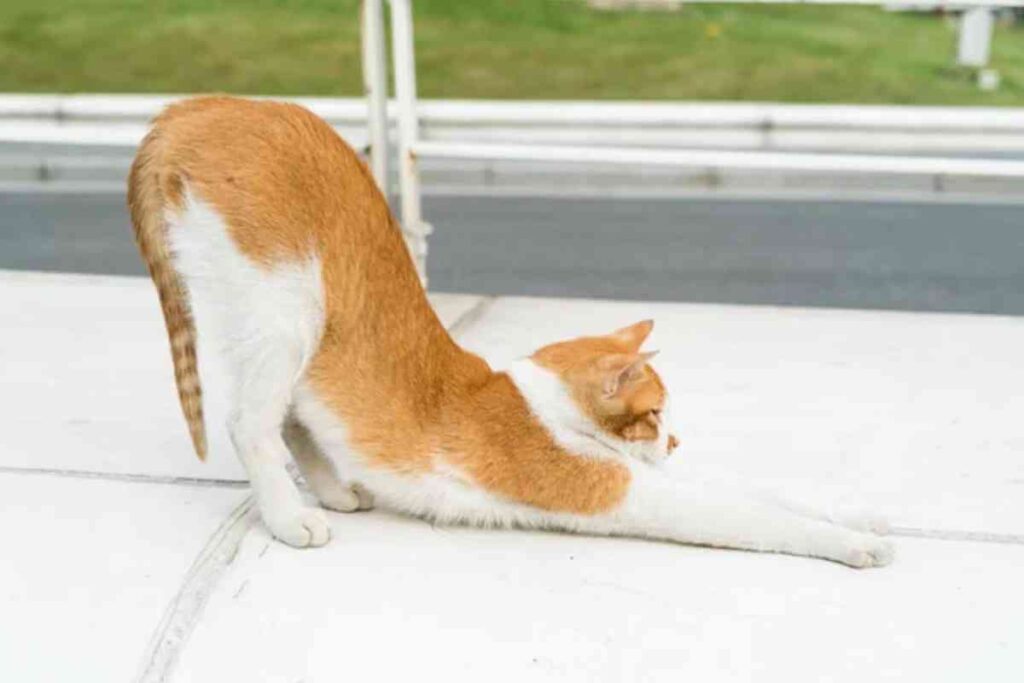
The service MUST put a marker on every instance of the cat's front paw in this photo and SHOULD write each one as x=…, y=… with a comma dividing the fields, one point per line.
x=365, y=497
x=339, y=497
x=869, y=551
x=308, y=528
x=342, y=497
x=862, y=521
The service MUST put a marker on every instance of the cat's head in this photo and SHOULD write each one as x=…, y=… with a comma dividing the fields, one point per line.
x=621, y=399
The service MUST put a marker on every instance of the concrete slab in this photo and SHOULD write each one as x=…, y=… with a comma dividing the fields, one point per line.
x=911, y=414
x=88, y=568
x=914, y=414
x=393, y=599
x=88, y=383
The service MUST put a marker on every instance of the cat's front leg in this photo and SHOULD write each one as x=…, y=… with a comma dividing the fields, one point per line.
x=659, y=507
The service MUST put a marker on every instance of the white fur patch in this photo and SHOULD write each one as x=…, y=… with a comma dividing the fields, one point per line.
x=242, y=305
x=265, y=323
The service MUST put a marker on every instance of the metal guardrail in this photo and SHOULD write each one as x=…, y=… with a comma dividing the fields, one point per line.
x=120, y=120
x=113, y=109
x=412, y=146
x=690, y=158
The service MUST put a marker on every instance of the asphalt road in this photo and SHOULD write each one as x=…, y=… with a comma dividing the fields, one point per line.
x=915, y=255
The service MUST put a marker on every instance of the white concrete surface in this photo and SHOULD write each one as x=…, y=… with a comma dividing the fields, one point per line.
x=396, y=600
x=88, y=566
x=104, y=510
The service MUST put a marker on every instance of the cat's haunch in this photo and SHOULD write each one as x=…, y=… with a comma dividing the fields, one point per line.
x=265, y=234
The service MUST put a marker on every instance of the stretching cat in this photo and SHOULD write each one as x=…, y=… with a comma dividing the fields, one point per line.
x=260, y=216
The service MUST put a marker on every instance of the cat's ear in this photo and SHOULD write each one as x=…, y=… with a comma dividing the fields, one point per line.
x=620, y=370
x=634, y=336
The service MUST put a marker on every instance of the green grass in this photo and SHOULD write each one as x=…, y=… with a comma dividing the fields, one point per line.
x=529, y=49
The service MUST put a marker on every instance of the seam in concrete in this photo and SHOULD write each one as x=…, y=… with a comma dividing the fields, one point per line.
x=127, y=477
x=472, y=316
x=958, y=535
x=182, y=615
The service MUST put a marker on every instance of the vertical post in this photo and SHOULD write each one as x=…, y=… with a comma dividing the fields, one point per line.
x=975, y=37
x=375, y=84
x=413, y=227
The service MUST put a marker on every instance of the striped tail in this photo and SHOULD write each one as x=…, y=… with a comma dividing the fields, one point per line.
x=147, y=203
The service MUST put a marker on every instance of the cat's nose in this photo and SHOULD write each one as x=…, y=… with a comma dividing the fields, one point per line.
x=673, y=442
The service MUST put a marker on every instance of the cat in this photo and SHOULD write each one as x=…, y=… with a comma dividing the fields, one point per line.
x=257, y=219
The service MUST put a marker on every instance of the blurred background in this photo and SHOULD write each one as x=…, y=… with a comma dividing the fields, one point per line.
x=915, y=81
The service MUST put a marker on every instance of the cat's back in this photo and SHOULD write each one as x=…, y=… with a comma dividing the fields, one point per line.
x=281, y=177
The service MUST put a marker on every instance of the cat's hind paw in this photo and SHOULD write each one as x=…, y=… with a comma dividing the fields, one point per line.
x=865, y=522
x=306, y=529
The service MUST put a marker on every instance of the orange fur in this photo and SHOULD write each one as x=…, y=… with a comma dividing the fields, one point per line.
x=610, y=380
x=287, y=185
x=146, y=201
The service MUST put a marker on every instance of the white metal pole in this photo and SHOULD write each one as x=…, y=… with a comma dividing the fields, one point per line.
x=413, y=227
x=375, y=83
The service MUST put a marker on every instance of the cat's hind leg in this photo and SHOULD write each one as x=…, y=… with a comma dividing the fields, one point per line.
x=320, y=473
x=264, y=380
x=265, y=321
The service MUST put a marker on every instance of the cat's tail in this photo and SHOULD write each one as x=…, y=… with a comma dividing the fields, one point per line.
x=147, y=203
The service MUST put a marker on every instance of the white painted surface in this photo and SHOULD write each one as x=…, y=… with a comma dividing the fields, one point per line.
x=916, y=415
x=392, y=599
x=88, y=567
x=88, y=385
x=122, y=119
x=703, y=158
x=352, y=111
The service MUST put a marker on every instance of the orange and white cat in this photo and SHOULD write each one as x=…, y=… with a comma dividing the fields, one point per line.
x=260, y=219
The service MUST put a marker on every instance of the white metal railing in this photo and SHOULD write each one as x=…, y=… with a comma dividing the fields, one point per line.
x=375, y=79
x=537, y=114
x=122, y=119
x=411, y=147
x=700, y=158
